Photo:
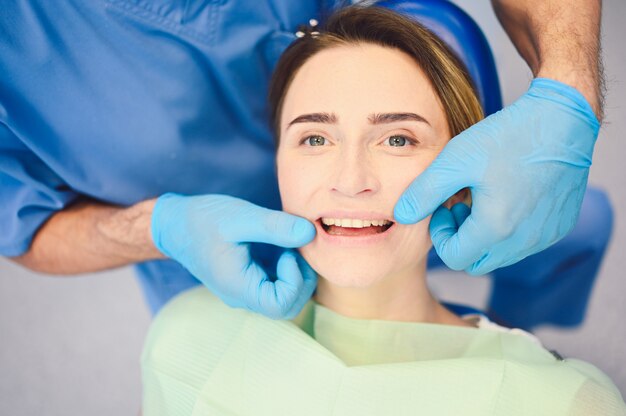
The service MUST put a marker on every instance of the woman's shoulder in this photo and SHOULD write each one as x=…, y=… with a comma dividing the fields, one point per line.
x=589, y=390
x=186, y=342
x=188, y=303
x=195, y=309
x=597, y=395
x=189, y=336
x=195, y=313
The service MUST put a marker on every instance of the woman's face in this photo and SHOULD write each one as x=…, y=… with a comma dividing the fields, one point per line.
x=358, y=124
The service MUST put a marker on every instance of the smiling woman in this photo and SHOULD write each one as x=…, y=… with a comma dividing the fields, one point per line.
x=349, y=145
x=342, y=162
x=359, y=111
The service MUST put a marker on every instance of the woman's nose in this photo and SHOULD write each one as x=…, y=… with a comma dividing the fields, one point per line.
x=354, y=173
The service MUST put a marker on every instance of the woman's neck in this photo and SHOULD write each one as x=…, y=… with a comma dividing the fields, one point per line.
x=401, y=297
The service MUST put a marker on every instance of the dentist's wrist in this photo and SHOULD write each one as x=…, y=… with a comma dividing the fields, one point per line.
x=130, y=230
x=587, y=83
x=557, y=91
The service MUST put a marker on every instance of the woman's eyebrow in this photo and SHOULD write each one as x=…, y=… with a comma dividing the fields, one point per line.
x=382, y=118
x=328, y=118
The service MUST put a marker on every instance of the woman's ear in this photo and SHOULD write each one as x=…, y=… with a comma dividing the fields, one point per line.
x=463, y=195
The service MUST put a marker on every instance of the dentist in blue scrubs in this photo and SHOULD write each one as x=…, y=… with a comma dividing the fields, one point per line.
x=135, y=132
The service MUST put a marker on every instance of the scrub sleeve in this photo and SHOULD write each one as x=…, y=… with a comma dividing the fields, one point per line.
x=124, y=100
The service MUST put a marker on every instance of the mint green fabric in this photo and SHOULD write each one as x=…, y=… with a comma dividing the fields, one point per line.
x=203, y=358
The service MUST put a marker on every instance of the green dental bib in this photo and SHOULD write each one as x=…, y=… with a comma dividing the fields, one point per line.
x=204, y=358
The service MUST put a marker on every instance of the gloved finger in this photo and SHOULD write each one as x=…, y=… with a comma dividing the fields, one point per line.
x=309, y=277
x=460, y=212
x=484, y=265
x=449, y=173
x=274, y=299
x=451, y=241
x=255, y=224
x=442, y=228
x=491, y=261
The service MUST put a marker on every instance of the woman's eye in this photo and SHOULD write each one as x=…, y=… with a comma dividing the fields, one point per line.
x=315, y=141
x=397, y=141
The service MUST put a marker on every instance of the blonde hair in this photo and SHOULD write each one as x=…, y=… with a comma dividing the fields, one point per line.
x=379, y=26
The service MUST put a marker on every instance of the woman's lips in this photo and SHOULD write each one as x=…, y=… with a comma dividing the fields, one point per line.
x=352, y=235
x=355, y=231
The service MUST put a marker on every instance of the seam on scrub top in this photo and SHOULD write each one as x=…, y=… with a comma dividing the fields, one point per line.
x=144, y=13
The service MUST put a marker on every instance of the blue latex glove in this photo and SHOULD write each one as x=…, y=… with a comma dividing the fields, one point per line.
x=209, y=236
x=526, y=167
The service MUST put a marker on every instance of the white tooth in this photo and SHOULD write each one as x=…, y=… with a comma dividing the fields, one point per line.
x=354, y=223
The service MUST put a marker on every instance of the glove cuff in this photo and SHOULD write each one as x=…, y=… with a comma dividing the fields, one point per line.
x=157, y=223
x=550, y=89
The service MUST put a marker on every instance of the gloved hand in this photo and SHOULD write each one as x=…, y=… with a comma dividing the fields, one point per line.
x=208, y=235
x=526, y=167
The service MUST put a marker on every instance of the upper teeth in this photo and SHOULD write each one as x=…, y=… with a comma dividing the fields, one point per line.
x=352, y=223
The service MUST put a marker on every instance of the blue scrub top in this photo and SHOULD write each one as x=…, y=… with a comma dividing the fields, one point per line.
x=124, y=100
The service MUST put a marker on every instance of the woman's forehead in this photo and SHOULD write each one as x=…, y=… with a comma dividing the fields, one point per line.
x=358, y=80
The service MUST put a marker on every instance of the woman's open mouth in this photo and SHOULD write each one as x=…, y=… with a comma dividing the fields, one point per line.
x=349, y=227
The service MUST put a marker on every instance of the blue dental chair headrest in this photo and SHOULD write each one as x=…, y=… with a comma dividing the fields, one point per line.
x=463, y=35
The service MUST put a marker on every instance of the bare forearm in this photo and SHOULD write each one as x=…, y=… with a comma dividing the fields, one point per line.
x=559, y=39
x=91, y=236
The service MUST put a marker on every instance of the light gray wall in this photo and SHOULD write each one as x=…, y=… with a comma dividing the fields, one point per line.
x=71, y=346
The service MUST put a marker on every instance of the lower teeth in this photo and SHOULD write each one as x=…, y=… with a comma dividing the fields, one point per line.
x=336, y=230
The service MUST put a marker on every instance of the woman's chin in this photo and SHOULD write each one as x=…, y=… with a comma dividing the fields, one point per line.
x=356, y=268
x=350, y=277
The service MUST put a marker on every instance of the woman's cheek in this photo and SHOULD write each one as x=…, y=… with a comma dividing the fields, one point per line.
x=398, y=173
x=293, y=185
x=284, y=185
x=416, y=239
